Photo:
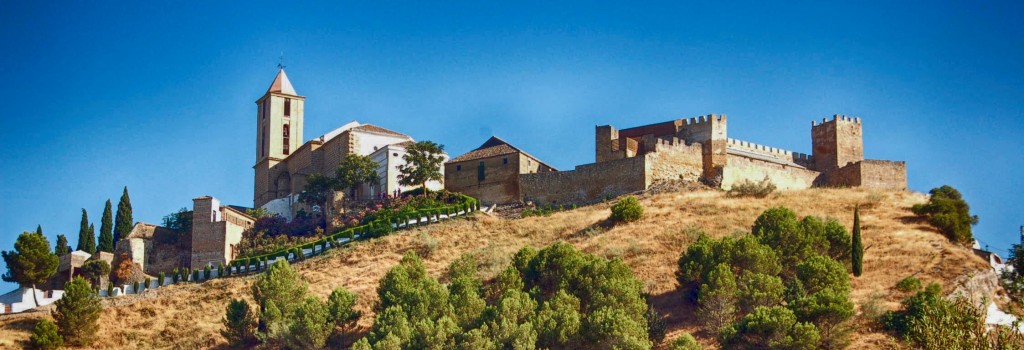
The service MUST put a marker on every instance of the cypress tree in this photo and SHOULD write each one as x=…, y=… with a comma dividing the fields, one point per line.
x=39, y=230
x=106, y=230
x=123, y=223
x=858, y=248
x=92, y=238
x=86, y=241
x=62, y=247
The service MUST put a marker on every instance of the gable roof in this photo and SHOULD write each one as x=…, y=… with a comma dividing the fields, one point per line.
x=373, y=129
x=494, y=147
x=281, y=84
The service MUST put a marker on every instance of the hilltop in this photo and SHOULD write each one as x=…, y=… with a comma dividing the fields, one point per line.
x=897, y=245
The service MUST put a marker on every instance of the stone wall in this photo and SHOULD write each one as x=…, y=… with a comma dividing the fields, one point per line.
x=500, y=183
x=837, y=142
x=875, y=174
x=675, y=161
x=784, y=176
x=587, y=183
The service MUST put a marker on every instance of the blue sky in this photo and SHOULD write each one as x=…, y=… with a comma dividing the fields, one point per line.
x=160, y=97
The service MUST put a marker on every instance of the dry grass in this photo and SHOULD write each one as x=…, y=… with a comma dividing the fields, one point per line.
x=188, y=316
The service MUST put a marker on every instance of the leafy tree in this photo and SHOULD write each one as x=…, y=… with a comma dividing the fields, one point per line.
x=773, y=327
x=685, y=342
x=408, y=285
x=62, y=247
x=78, y=312
x=559, y=321
x=758, y=289
x=106, y=242
x=258, y=213
x=309, y=328
x=949, y=212
x=180, y=221
x=30, y=262
x=819, y=273
x=779, y=228
x=94, y=270
x=828, y=310
x=239, y=323
x=126, y=268
x=355, y=170
x=45, y=336
x=627, y=209
x=929, y=321
x=716, y=305
x=340, y=307
x=86, y=240
x=423, y=161
x=123, y=222
x=280, y=292
x=318, y=189
x=857, y=248
x=834, y=235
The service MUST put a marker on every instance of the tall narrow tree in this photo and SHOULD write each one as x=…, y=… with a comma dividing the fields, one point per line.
x=123, y=223
x=86, y=241
x=857, y=252
x=106, y=243
x=62, y=247
x=30, y=262
x=92, y=238
x=39, y=230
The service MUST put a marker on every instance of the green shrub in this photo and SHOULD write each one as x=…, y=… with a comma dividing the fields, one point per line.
x=147, y=283
x=160, y=280
x=747, y=188
x=340, y=307
x=239, y=323
x=948, y=211
x=685, y=342
x=77, y=313
x=309, y=327
x=909, y=284
x=195, y=276
x=220, y=270
x=110, y=289
x=206, y=272
x=45, y=336
x=135, y=287
x=929, y=321
x=627, y=209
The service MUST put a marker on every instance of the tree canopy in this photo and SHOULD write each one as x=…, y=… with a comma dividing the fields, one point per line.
x=106, y=242
x=31, y=261
x=948, y=211
x=123, y=222
x=423, y=161
x=86, y=240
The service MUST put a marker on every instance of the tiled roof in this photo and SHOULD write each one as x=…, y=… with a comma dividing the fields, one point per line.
x=492, y=148
x=370, y=128
x=281, y=84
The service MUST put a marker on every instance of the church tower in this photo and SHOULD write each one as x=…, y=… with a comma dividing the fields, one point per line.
x=278, y=133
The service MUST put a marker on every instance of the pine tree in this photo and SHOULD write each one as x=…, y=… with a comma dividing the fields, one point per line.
x=857, y=252
x=30, y=262
x=106, y=230
x=86, y=241
x=78, y=313
x=62, y=247
x=123, y=223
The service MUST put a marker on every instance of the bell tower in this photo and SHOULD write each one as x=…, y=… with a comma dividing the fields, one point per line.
x=278, y=132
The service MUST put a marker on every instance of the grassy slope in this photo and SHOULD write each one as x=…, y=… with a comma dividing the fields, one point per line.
x=188, y=316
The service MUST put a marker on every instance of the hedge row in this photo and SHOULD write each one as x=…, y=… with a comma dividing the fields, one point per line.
x=376, y=228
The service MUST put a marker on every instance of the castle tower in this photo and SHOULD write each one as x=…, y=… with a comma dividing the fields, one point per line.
x=278, y=132
x=837, y=142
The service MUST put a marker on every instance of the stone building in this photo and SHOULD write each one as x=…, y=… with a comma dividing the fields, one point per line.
x=283, y=161
x=216, y=231
x=630, y=160
x=155, y=248
x=491, y=172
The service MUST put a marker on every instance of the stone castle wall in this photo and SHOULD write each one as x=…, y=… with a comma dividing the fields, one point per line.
x=875, y=174
x=785, y=177
x=675, y=160
x=587, y=183
x=501, y=180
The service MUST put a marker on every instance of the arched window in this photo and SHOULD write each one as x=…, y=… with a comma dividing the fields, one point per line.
x=285, y=136
x=287, y=107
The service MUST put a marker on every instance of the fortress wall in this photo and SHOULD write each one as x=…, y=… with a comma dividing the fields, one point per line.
x=782, y=154
x=674, y=159
x=783, y=176
x=500, y=180
x=875, y=174
x=587, y=183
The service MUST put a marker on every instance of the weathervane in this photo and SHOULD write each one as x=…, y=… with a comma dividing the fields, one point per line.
x=280, y=62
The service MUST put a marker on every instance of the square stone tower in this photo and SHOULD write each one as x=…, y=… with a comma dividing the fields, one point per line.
x=837, y=142
x=279, y=120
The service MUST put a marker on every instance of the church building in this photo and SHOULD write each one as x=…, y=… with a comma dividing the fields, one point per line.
x=284, y=161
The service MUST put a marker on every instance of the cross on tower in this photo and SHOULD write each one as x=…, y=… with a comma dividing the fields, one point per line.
x=280, y=62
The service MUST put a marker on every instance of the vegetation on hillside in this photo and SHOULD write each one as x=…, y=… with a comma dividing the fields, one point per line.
x=423, y=162
x=747, y=188
x=106, y=241
x=627, y=209
x=30, y=263
x=782, y=287
x=929, y=321
x=555, y=298
x=948, y=211
x=123, y=222
x=77, y=313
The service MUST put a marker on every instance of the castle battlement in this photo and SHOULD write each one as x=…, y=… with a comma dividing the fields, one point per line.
x=704, y=119
x=837, y=117
x=796, y=157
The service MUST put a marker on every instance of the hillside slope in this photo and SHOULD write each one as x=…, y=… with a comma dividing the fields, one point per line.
x=897, y=245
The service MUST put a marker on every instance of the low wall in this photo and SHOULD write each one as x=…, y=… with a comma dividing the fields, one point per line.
x=785, y=177
x=587, y=183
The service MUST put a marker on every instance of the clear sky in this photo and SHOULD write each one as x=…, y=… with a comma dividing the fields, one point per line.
x=160, y=97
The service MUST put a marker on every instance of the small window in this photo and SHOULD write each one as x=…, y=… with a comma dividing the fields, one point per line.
x=287, y=107
x=480, y=176
x=504, y=160
x=285, y=138
x=458, y=168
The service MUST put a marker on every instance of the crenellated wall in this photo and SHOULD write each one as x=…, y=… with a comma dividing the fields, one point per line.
x=801, y=159
x=785, y=177
x=875, y=174
x=587, y=183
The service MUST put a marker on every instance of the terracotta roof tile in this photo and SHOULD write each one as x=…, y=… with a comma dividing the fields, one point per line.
x=370, y=128
x=493, y=147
